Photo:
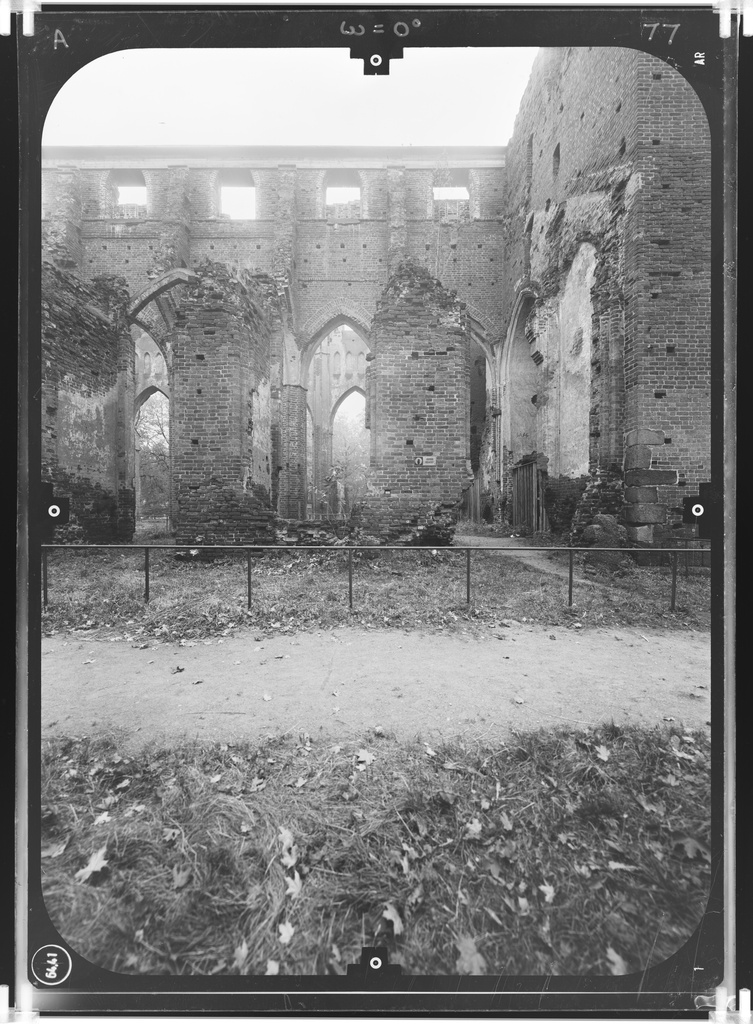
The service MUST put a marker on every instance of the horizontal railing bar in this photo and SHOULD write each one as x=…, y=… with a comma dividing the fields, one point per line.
x=351, y=547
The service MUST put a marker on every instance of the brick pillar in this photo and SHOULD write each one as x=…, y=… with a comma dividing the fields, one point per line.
x=285, y=219
x=173, y=248
x=62, y=215
x=419, y=385
x=220, y=413
x=643, y=510
x=292, y=476
x=398, y=231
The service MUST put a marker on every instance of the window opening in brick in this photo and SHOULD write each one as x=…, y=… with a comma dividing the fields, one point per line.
x=451, y=195
x=237, y=194
x=342, y=194
x=129, y=193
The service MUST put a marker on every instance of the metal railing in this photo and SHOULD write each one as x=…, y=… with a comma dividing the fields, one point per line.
x=349, y=549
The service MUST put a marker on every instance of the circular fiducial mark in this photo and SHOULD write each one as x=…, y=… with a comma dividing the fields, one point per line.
x=51, y=965
x=375, y=963
x=375, y=60
x=698, y=510
x=53, y=511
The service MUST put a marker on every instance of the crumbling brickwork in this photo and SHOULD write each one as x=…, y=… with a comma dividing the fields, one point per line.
x=419, y=400
x=220, y=427
x=560, y=306
x=611, y=152
x=87, y=399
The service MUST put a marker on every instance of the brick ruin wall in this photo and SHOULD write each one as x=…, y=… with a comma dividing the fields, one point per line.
x=611, y=150
x=419, y=409
x=582, y=263
x=86, y=402
x=221, y=419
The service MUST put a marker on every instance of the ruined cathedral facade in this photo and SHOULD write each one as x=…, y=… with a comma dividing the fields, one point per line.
x=534, y=348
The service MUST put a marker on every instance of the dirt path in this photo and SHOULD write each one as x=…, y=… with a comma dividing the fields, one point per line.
x=344, y=682
x=536, y=559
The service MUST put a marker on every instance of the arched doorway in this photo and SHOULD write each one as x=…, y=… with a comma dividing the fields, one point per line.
x=350, y=451
x=151, y=434
x=152, y=469
x=336, y=369
x=523, y=474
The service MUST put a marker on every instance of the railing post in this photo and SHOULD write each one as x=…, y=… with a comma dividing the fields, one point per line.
x=468, y=576
x=674, y=580
x=350, y=577
x=248, y=576
x=570, y=580
x=146, y=575
x=44, y=577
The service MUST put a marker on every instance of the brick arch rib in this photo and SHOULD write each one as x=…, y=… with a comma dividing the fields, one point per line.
x=146, y=393
x=356, y=389
x=317, y=327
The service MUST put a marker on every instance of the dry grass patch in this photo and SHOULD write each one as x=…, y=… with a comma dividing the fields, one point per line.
x=405, y=589
x=560, y=852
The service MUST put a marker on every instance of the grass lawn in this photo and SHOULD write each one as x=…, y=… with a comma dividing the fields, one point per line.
x=559, y=852
x=293, y=590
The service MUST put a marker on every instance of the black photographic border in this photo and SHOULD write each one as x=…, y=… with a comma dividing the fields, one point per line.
x=664, y=989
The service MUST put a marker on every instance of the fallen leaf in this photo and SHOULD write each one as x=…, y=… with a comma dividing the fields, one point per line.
x=616, y=865
x=693, y=848
x=506, y=823
x=429, y=751
x=266, y=697
x=256, y=784
x=616, y=963
x=364, y=759
x=181, y=876
x=240, y=956
x=177, y=669
x=470, y=960
x=55, y=849
x=124, y=784
x=647, y=806
x=289, y=855
x=548, y=891
x=524, y=905
x=273, y=967
x=170, y=834
x=102, y=818
x=294, y=886
x=390, y=912
x=301, y=782
x=473, y=829
x=602, y=753
x=286, y=932
x=198, y=682
x=216, y=778
x=97, y=862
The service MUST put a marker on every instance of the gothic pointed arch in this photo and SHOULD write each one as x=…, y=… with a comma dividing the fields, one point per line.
x=355, y=390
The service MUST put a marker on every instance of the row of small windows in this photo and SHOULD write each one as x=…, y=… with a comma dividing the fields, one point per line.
x=237, y=193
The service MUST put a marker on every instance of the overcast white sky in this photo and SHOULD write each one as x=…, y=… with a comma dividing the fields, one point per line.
x=456, y=97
